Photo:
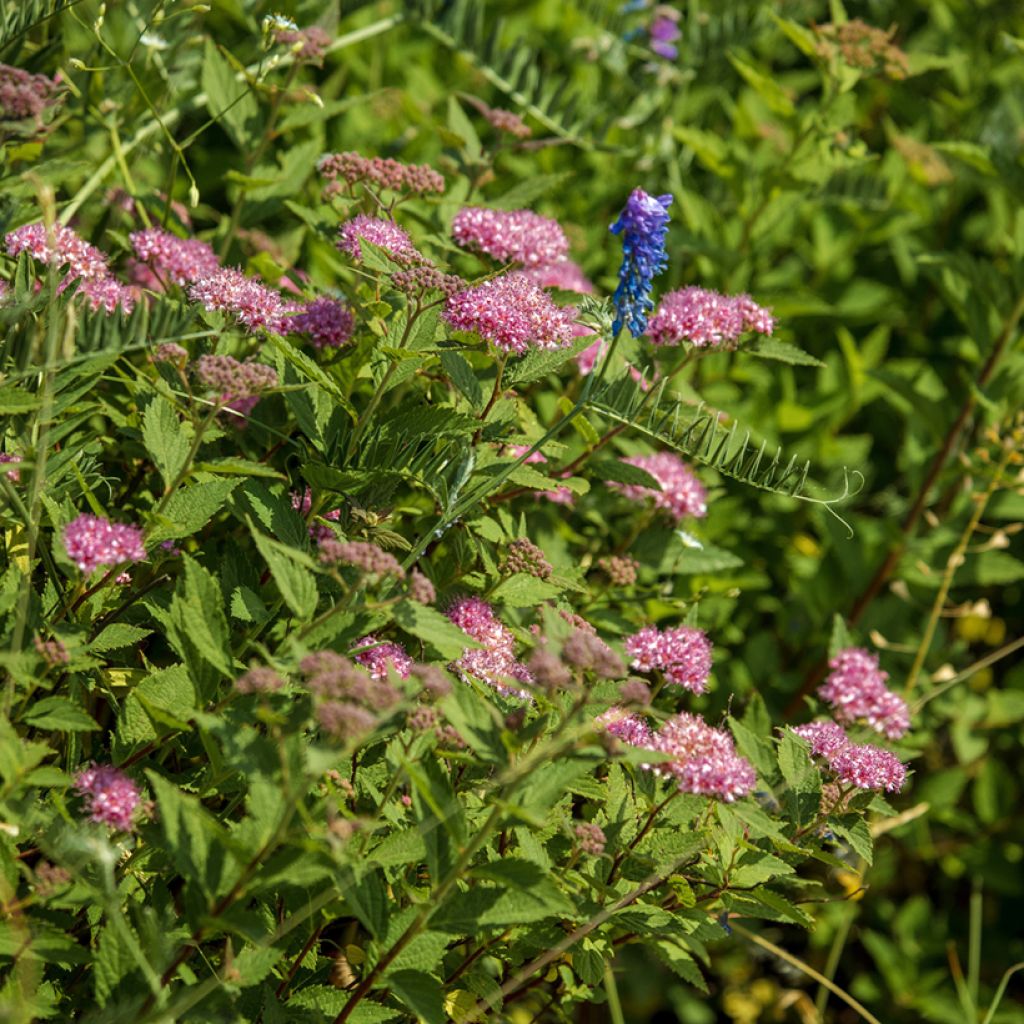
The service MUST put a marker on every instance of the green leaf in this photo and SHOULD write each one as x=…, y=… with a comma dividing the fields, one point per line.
x=766, y=86
x=291, y=573
x=197, y=617
x=117, y=636
x=460, y=125
x=462, y=376
x=190, y=509
x=802, y=778
x=840, y=637
x=680, y=962
x=114, y=958
x=524, y=591
x=166, y=438
x=854, y=829
x=430, y=626
x=492, y=907
x=59, y=713
x=422, y=993
x=368, y=897
x=229, y=101
x=622, y=473
x=753, y=869
x=478, y=722
x=782, y=352
x=14, y=401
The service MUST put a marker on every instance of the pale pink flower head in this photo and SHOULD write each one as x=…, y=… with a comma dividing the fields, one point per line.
x=235, y=380
x=511, y=236
x=328, y=323
x=683, y=654
x=681, y=495
x=60, y=246
x=111, y=798
x=92, y=541
x=107, y=295
x=176, y=260
x=825, y=738
x=385, y=234
x=507, y=121
x=251, y=303
x=587, y=359
x=24, y=95
x=703, y=759
x=512, y=313
x=496, y=661
x=382, y=656
x=565, y=275
x=857, y=692
x=707, y=319
x=382, y=172
x=869, y=767
x=623, y=725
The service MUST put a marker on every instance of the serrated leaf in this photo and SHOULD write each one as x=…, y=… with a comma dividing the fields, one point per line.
x=782, y=352
x=433, y=628
x=524, y=591
x=60, y=714
x=289, y=567
x=229, y=101
x=802, y=778
x=622, y=473
x=462, y=376
x=422, y=993
x=166, y=438
x=117, y=636
x=190, y=509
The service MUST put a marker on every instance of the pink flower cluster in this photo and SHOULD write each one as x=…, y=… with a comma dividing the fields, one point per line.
x=381, y=656
x=23, y=94
x=707, y=319
x=308, y=44
x=180, y=261
x=565, y=275
x=7, y=459
x=507, y=121
x=511, y=236
x=385, y=234
x=111, y=798
x=380, y=171
x=702, y=759
x=682, y=653
x=367, y=558
x=857, y=692
x=62, y=247
x=232, y=379
x=328, y=323
x=496, y=662
x=682, y=494
x=512, y=313
x=92, y=541
x=318, y=531
x=252, y=304
x=859, y=764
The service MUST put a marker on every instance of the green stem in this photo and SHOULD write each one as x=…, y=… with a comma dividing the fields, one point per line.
x=612, y=992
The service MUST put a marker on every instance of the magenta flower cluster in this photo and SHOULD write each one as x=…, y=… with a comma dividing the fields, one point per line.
x=681, y=495
x=857, y=692
x=682, y=653
x=385, y=234
x=23, y=94
x=232, y=379
x=328, y=323
x=511, y=236
x=111, y=798
x=707, y=319
x=512, y=313
x=382, y=172
x=92, y=541
x=495, y=663
x=382, y=656
x=251, y=303
x=180, y=261
x=858, y=764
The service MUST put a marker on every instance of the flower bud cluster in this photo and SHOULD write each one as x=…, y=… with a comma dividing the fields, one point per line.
x=350, y=699
x=621, y=570
x=417, y=281
x=232, y=379
x=309, y=45
x=170, y=352
x=507, y=121
x=524, y=556
x=23, y=94
x=382, y=172
x=7, y=459
x=367, y=558
x=259, y=679
x=53, y=652
x=590, y=838
x=328, y=323
x=421, y=589
x=586, y=650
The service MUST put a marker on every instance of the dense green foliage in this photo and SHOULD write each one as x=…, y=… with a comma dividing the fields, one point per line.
x=863, y=466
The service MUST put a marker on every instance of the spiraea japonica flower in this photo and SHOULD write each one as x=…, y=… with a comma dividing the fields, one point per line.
x=825, y=738
x=381, y=172
x=681, y=495
x=857, y=692
x=369, y=559
x=495, y=662
x=512, y=313
x=12, y=462
x=382, y=656
x=24, y=95
x=565, y=275
x=643, y=225
x=92, y=542
x=683, y=654
x=703, y=759
x=174, y=260
x=626, y=726
x=232, y=379
x=511, y=236
x=328, y=322
x=857, y=764
x=111, y=797
x=251, y=303
x=385, y=234
x=707, y=319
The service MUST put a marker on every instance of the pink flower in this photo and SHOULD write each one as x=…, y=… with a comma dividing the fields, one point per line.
x=682, y=653
x=252, y=304
x=178, y=260
x=682, y=494
x=564, y=275
x=512, y=313
x=629, y=728
x=385, y=234
x=60, y=246
x=23, y=94
x=328, y=322
x=869, y=767
x=706, y=319
x=92, y=541
x=825, y=738
x=511, y=236
x=703, y=759
x=587, y=359
x=856, y=690
x=381, y=656
x=235, y=380
x=496, y=662
x=6, y=459
x=107, y=294
x=111, y=798
x=383, y=172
